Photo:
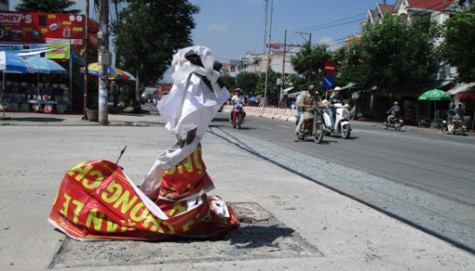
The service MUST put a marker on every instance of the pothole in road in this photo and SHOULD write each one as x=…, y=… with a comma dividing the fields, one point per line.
x=260, y=236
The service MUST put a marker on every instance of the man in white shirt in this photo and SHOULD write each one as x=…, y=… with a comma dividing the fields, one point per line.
x=237, y=98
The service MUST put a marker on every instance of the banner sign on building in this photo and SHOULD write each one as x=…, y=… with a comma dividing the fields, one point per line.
x=58, y=51
x=40, y=27
x=275, y=46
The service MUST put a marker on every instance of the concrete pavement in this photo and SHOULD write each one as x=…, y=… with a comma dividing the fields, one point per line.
x=323, y=230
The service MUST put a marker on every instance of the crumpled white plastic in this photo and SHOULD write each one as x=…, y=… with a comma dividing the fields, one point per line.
x=190, y=104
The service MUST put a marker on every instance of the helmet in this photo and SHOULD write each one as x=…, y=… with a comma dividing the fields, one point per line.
x=337, y=89
x=311, y=88
x=396, y=103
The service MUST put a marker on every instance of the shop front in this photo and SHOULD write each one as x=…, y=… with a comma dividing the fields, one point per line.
x=55, y=37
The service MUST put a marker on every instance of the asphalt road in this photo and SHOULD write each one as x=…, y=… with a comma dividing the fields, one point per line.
x=424, y=178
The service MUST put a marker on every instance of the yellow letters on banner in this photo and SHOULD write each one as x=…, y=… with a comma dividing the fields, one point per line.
x=134, y=214
x=130, y=226
x=171, y=230
x=64, y=211
x=125, y=201
x=151, y=219
x=77, y=210
x=115, y=190
x=196, y=156
x=79, y=205
x=178, y=208
x=111, y=226
x=93, y=184
x=83, y=173
x=186, y=227
x=93, y=218
x=187, y=163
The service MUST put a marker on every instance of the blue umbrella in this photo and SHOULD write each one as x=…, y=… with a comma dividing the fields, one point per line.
x=44, y=65
x=11, y=63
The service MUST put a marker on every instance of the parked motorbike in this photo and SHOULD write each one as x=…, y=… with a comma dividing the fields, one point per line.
x=397, y=123
x=424, y=122
x=238, y=115
x=312, y=127
x=454, y=127
x=342, y=122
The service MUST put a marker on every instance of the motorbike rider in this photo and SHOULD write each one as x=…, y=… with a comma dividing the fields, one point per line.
x=335, y=98
x=393, y=112
x=450, y=122
x=299, y=111
x=310, y=100
x=237, y=98
x=459, y=112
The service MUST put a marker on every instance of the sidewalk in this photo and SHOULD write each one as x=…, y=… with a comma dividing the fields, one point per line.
x=44, y=119
x=291, y=223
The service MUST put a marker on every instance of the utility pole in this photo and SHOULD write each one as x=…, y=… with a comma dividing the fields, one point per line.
x=265, y=50
x=268, y=54
x=86, y=60
x=104, y=60
x=282, y=85
x=309, y=36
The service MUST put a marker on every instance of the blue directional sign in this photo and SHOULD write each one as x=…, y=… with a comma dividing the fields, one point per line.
x=328, y=81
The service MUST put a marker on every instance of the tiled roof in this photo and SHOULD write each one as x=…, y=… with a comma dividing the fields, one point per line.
x=385, y=9
x=430, y=4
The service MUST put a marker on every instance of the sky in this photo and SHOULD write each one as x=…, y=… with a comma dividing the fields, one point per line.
x=232, y=28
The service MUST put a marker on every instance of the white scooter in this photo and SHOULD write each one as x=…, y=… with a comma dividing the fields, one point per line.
x=342, y=120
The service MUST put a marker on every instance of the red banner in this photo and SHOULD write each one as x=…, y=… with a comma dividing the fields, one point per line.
x=96, y=200
x=275, y=46
x=40, y=27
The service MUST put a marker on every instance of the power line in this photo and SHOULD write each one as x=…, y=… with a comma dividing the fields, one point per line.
x=335, y=23
x=435, y=9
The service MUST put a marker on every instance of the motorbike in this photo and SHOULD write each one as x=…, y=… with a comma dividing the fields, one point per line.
x=454, y=127
x=397, y=123
x=238, y=115
x=424, y=122
x=312, y=127
x=342, y=122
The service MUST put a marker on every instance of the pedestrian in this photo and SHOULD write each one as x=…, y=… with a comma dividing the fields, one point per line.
x=459, y=112
x=292, y=106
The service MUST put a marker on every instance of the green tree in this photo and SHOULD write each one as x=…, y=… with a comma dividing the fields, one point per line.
x=228, y=81
x=458, y=47
x=148, y=33
x=273, y=90
x=247, y=81
x=308, y=64
x=53, y=6
x=399, y=55
x=351, y=67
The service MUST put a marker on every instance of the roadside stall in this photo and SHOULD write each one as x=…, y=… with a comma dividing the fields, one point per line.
x=55, y=38
x=468, y=98
x=465, y=93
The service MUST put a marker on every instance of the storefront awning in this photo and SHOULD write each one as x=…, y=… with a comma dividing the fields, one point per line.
x=287, y=90
x=461, y=88
x=293, y=95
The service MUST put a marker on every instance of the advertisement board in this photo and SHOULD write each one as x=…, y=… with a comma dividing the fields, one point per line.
x=40, y=27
